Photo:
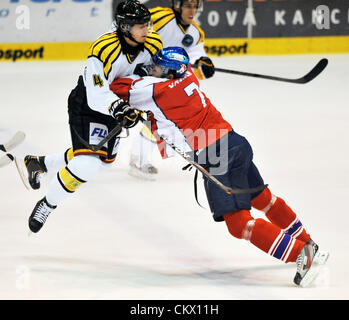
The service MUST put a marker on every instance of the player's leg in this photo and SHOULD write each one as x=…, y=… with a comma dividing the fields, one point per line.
x=54, y=162
x=142, y=148
x=235, y=211
x=273, y=241
x=79, y=170
x=276, y=209
x=88, y=125
x=84, y=166
x=33, y=167
x=264, y=235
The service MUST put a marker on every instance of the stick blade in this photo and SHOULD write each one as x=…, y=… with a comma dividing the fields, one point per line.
x=14, y=141
x=321, y=65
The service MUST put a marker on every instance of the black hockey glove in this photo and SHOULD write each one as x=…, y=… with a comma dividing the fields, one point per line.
x=205, y=68
x=142, y=69
x=121, y=110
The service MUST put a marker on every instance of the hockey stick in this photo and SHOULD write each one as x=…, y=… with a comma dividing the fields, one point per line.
x=313, y=73
x=8, y=146
x=187, y=157
x=13, y=142
x=6, y=159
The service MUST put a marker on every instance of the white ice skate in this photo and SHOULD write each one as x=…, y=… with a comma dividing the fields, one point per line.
x=309, y=264
x=145, y=172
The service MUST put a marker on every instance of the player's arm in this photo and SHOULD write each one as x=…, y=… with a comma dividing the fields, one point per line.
x=99, y=95
x=202, y=65
x=137, y=91
x=101, y=99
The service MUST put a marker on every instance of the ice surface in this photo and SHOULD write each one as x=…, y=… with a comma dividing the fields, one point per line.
x=123, y=238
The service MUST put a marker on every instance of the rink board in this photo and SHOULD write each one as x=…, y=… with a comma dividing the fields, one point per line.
x=214, y=47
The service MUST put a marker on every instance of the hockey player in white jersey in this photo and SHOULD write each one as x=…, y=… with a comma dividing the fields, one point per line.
x=177, y=27
x=94, y=110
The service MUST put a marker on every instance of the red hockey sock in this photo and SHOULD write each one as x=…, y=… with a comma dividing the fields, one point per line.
x=264, y=235
x=280, y=214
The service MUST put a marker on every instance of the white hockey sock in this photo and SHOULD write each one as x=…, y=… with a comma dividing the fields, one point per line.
x=142, y=149
x=136, y=149
x=54, y=162
x=79, y=170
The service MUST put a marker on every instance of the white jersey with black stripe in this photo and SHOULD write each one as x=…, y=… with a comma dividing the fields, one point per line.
x=107, y=61
x=173, y=34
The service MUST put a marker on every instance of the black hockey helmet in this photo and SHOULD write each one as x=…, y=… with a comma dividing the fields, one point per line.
x=177, y=4
x=131, y=12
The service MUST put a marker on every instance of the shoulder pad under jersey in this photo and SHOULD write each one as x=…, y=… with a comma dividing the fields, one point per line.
x=202, y=33
x=107, y=49
x=161, y=16
x=153, y=43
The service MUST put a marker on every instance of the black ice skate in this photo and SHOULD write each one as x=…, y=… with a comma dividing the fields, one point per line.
x=309, y=264
x=30, y=170
x=40, y=214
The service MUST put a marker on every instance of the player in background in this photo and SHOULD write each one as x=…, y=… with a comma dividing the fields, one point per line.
x=94, y=109
x=183, y=114
x=177, y=27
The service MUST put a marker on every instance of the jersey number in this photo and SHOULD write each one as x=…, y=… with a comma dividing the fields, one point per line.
x=97, y=81
x=189, y=90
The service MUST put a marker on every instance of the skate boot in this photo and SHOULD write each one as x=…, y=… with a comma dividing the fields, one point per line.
x=149, y=169
x=146, y=171
x=321, y=256
x=309, y=264
x=30, y=170
x=40, y=214
x=35, y=167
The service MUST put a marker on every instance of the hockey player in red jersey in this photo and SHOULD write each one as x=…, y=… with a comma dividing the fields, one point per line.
x=176, y=27
x=183, y=114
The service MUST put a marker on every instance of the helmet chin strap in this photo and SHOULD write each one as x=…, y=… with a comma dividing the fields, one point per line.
x=129, y=36
x=178, y=15
x=127, y=33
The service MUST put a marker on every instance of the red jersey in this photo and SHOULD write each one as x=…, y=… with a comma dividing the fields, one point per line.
x=180, y=110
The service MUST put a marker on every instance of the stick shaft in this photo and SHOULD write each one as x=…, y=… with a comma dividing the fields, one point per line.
x=212, y=178
x=319, y=67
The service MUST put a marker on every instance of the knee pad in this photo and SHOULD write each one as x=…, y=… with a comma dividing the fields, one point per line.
x=240, y=224
x=68, y=180
x=264, y=201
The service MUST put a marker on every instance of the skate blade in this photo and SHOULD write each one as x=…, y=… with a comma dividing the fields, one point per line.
x=134, y=172
x=22, y=171
x=315, y=269
x=321, y=257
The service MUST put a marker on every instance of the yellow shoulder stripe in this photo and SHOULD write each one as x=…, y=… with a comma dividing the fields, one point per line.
x=202, y=33
x=161, y=16
x=153, y=43
x=101, y=42
x=106, y=49
x=109, y=56
x=160, y=9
